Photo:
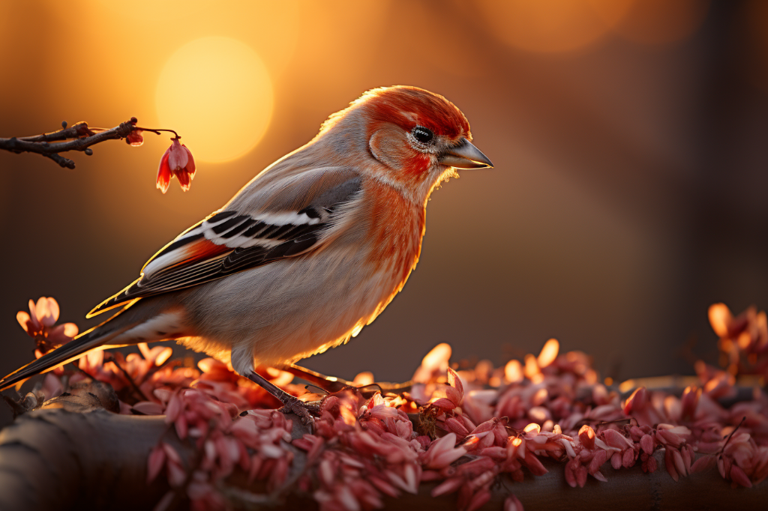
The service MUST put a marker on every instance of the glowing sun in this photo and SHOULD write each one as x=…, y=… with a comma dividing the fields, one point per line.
x=217, y=94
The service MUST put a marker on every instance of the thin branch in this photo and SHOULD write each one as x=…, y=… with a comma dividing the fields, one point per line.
x=108, y=357
x=78, y=137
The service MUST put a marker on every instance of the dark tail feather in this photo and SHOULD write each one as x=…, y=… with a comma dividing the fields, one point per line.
x=73, y=350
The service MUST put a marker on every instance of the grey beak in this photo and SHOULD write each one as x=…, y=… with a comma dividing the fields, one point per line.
x=464, y=155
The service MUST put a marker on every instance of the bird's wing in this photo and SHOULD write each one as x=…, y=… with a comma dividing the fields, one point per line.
x=265, y=222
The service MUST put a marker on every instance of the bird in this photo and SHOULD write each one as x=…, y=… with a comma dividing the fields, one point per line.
x=306, y=254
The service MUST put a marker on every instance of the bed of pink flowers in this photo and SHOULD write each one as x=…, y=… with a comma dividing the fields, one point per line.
x=460, y=429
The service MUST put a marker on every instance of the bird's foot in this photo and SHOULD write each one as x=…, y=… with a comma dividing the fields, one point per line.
x=333, y=384
x=305, y=411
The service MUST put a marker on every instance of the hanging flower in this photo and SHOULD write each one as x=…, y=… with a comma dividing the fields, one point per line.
x=40, y=324
x=177, y=161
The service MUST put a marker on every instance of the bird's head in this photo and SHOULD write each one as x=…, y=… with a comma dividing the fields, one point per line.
x=415, y=138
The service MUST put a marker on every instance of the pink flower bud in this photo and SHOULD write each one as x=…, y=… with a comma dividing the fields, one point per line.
x=597, y=461
x=479, y=500
x=155, y=462
x=587, y=436
x=616, y=439
x=703, y=463
x=690, y=401
x=669, y=462
x=646, y=443
x=738, y=476
x=135, y=138
x=177, y=161
x=637, y=401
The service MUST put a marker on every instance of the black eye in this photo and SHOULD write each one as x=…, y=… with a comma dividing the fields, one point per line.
x=422, y=134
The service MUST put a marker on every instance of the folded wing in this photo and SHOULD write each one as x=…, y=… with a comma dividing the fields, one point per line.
x=250, y=231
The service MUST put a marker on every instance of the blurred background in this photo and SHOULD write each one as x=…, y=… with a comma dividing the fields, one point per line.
x=629, y=137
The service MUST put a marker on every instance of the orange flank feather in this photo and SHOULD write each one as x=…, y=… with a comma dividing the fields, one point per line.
x=200, y=250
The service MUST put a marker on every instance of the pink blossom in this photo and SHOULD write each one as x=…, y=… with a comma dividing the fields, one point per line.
x=39, y=324
x=178, y=162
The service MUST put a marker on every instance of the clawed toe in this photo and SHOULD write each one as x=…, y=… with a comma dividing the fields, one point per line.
x=305, y=411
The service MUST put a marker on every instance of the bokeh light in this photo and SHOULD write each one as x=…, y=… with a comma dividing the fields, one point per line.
x=552, y=26
x=217, y=93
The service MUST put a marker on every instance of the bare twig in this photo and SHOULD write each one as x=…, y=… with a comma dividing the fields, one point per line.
x=78, y=137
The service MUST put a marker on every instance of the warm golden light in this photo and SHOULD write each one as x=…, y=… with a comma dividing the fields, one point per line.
x=217, y=94
x=719, y=317
x=548, y=353
x=437, y=357
x=551, y=26
x=513, y=371
x=531, y=367
x=532, y=428
x=363, y=379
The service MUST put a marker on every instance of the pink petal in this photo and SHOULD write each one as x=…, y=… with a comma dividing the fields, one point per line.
x=455, y=381
x=155, y=463
x=24, y=320
x=177, y=156
x=184, y=179
x=479, y=500
x=164, y=173
x=587, y=436
x=52, y=386
x=581, y=476
x=71, y=330
x=669, y=462
x=181, y=426
x=600, y=457
x=448, y=486
x=191, y=167
x=443, y=403
x=512, y=504
x=346, y=498
x=53, y=309
x=628, y=458
x=173, y=409
x=740, y=477
x=149, y=408
x=703, y=463
x=646, y=443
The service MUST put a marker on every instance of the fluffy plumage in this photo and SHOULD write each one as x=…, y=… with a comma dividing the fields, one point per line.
x=304, y=255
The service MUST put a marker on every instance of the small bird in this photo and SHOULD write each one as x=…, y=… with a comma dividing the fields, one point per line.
x=306, y=254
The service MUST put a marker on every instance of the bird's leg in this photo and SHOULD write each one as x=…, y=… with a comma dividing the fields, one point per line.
x=291, y=404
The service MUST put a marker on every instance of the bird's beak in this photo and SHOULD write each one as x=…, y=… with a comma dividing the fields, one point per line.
x=464, y=155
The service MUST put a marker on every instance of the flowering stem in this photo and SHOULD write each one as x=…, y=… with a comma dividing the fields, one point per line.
x=78, y=137
x=730, y=435
x=157, y=131
x=136, y=389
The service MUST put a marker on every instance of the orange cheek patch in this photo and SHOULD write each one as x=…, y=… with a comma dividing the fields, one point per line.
x=390, y=146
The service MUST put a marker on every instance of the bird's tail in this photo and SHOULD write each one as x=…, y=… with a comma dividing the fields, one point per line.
x=95, y=337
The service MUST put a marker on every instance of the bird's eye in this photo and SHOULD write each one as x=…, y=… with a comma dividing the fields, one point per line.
x=422, y=134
